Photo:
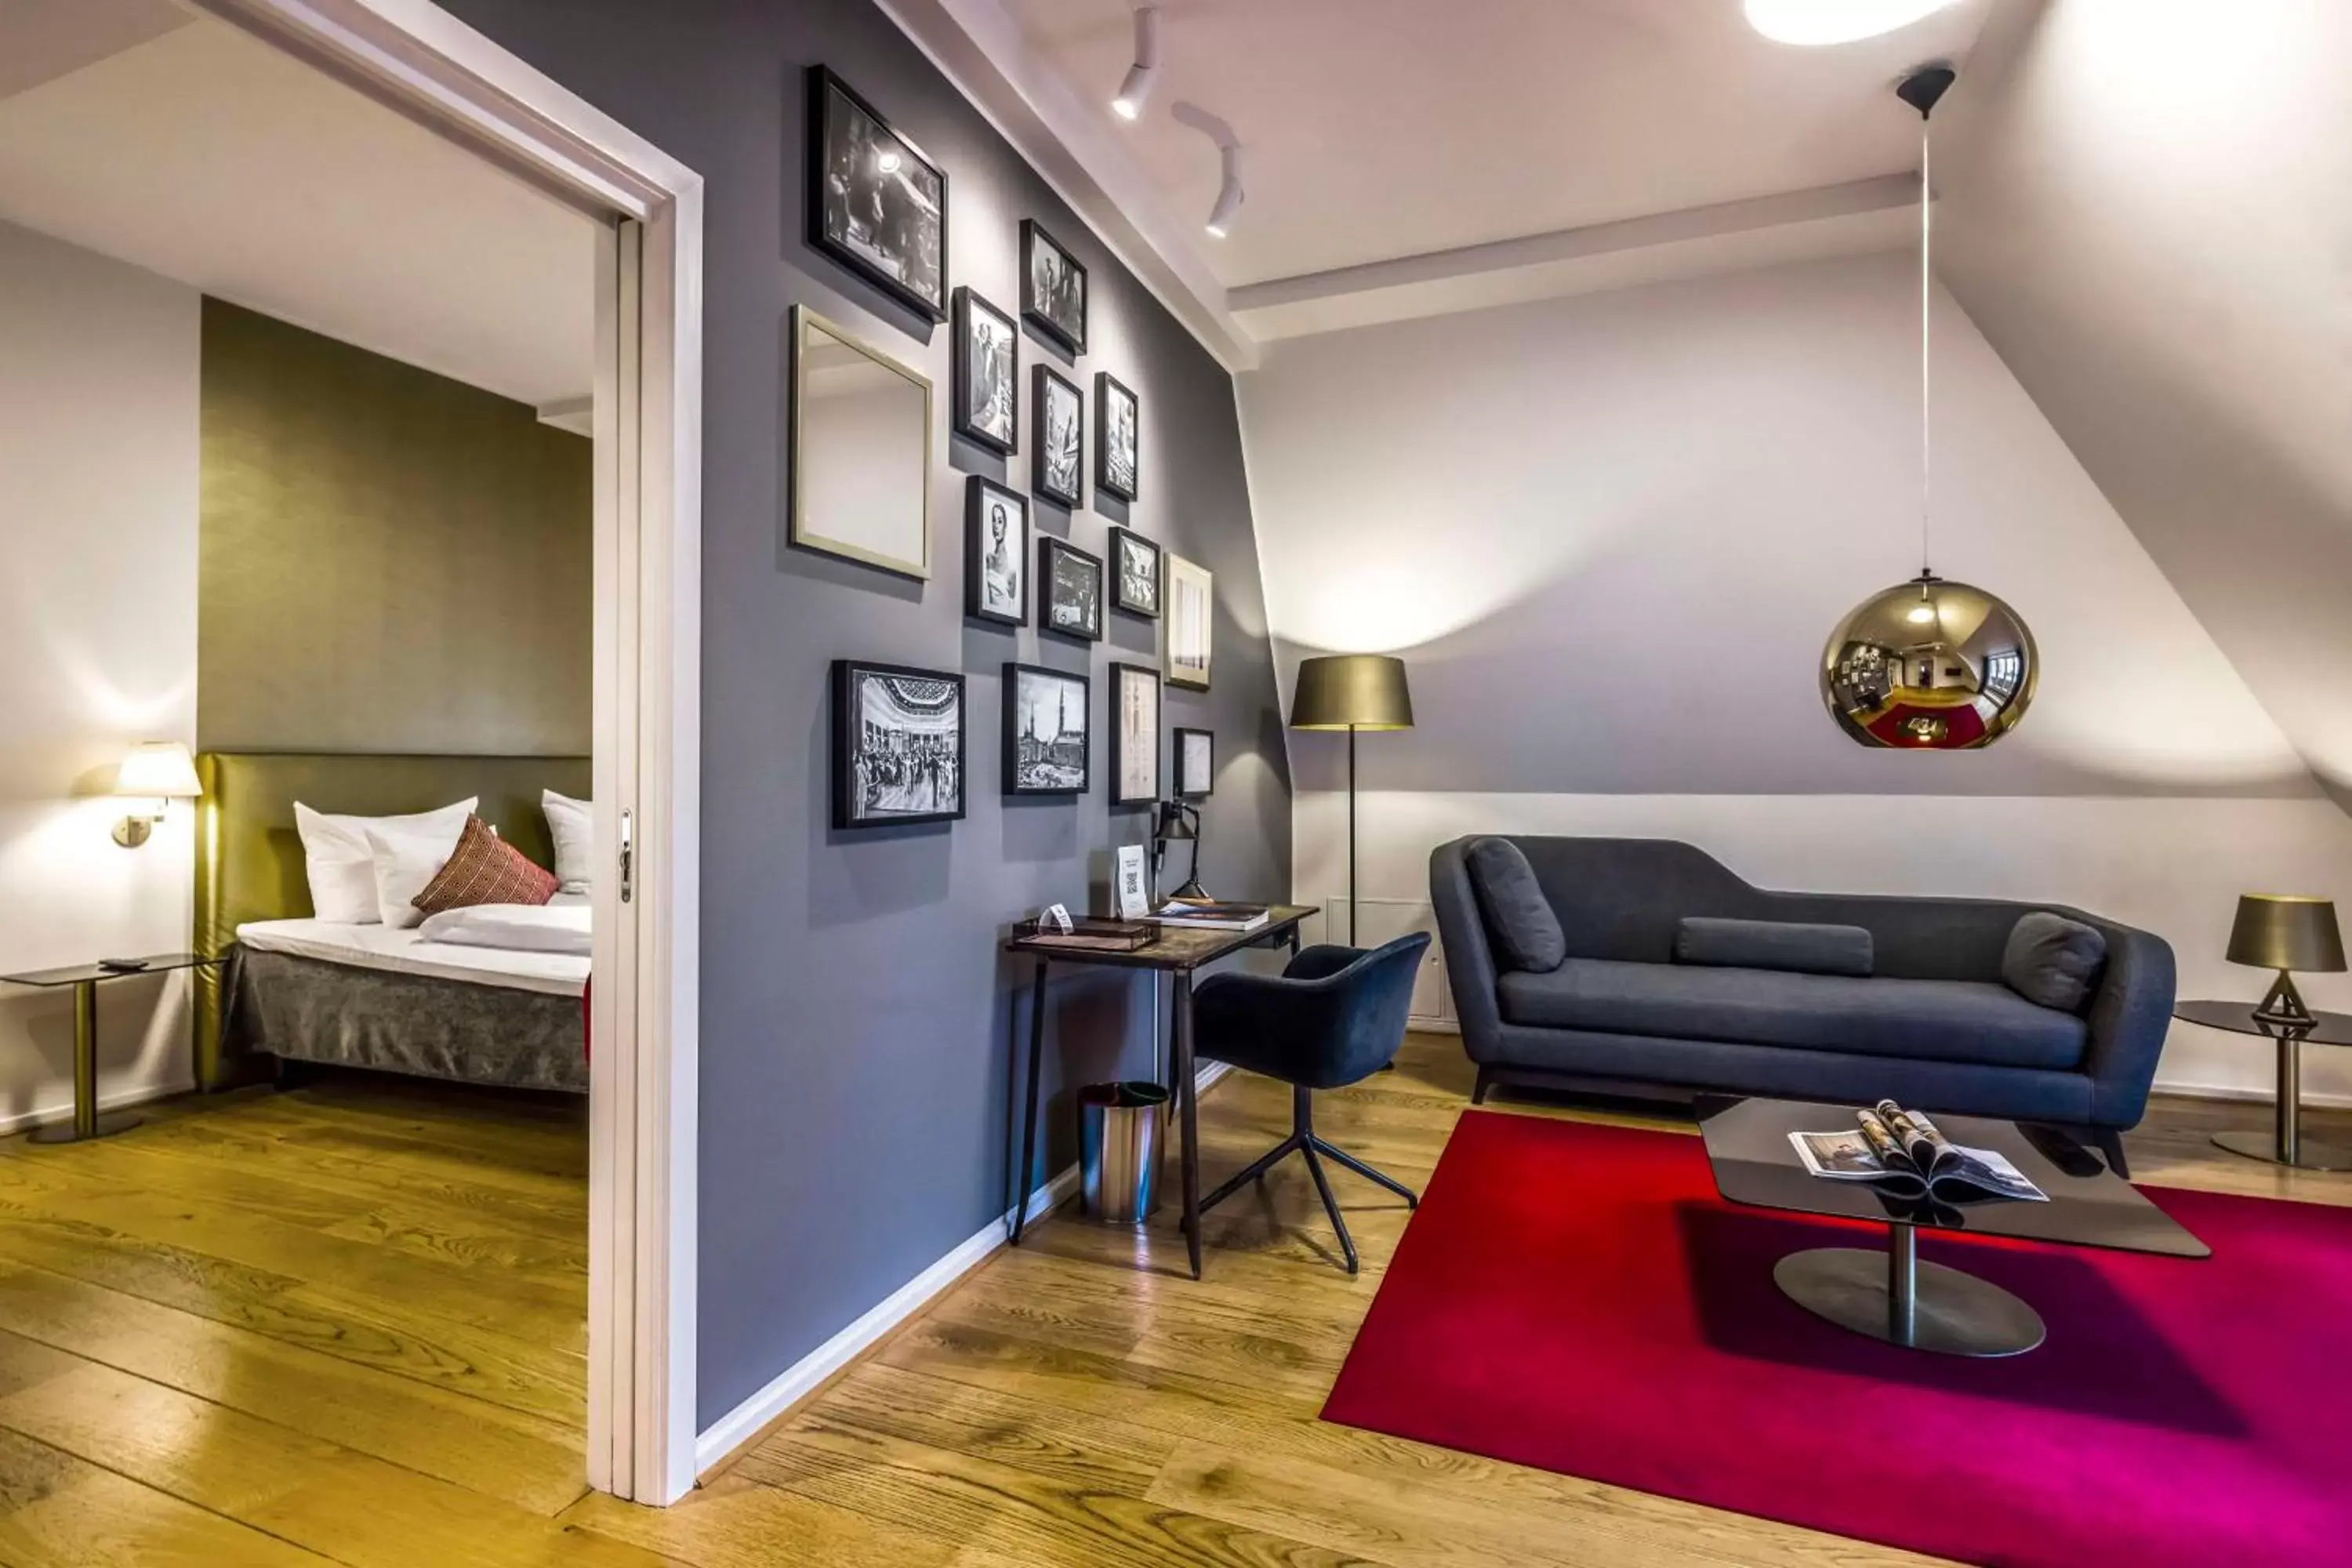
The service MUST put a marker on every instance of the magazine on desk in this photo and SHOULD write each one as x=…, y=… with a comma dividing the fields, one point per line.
x=1212, y=915
x=1904, y=1155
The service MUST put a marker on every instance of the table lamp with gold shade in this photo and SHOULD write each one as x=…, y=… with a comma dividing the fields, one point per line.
x=1351, y=691
x=2287, y=932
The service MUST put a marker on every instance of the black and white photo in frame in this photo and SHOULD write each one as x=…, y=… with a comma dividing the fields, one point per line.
x=1196, y=762
x=987, y=373
x=1048, y=731
x=1071, y=583
x=996, y=553
x=1117, y=416
x=1057, y=452
x=1134, y=735
x=898, y=745
x=1134, y=573
x=1052, y=288
x=1192, y=613
x=875, y=203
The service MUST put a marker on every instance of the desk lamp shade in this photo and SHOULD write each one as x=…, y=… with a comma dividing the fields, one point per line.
x=2285, y=932
x=1351, y=691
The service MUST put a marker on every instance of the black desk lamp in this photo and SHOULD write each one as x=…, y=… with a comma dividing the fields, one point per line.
x=1351, y=691
x=1179, y=824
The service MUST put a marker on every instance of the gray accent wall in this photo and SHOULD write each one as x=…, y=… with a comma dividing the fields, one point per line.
x=857, y=1017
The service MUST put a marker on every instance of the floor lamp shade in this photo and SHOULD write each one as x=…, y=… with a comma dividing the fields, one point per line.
x=1351, y=691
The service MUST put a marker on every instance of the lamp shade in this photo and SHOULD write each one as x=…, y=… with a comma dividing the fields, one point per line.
x=2282, y=931
x=158, y=769
x=1351, y=690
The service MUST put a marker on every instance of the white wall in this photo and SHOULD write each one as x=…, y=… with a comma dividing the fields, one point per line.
x=1610, y=536
x=97, y=648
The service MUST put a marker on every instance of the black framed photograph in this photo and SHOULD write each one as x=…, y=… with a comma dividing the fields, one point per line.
x=1052, y=288
x=876, y=204
x=1134, y=734
x=1196, y=761
x=1048, y=731
x=1058, y=451
x=987, y=373
x=1069, y=583
x=996, y=553
x=1117, y=416
x=1134, y=573
x=898, y=745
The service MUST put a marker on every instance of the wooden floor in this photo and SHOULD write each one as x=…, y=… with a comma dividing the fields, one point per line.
x=345, y=1325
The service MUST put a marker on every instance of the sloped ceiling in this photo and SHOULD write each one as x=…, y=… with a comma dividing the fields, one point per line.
x=2148, y=210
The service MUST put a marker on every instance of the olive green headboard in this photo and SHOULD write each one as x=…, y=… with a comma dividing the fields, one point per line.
x=250, y=858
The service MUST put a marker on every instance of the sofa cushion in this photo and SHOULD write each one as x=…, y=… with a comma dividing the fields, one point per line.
x=1794, y=945
x=1934, y=1020
x=1518, y=917
x=2053, y=961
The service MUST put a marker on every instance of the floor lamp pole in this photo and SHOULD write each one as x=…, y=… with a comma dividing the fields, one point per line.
x=1351, y=836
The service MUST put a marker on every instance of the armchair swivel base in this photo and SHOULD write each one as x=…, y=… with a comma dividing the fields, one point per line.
x=1304, y=1140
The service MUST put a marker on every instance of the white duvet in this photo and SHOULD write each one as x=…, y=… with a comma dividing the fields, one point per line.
x=517, y=928
x=397, y=951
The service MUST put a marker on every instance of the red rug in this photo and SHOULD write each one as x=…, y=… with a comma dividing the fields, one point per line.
x=1578, y=1299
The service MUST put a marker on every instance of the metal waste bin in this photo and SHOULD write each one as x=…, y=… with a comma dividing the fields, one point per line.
x=1119, y=1129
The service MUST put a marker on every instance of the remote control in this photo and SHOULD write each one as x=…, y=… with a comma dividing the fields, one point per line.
x=124, y=966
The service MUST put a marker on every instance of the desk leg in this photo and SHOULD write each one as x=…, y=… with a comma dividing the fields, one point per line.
x=1029, y=1104
x=86, y=1123
x=1188, y=1097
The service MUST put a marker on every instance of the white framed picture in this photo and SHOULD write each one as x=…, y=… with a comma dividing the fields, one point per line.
x=1190, y=614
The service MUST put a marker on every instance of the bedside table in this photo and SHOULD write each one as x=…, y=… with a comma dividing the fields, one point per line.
x=85, y=979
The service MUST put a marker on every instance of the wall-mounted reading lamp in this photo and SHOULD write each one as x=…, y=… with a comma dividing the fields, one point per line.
x=154, y=774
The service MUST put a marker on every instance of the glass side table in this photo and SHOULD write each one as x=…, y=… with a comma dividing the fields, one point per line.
x=2285, y=1147
x=85, y=979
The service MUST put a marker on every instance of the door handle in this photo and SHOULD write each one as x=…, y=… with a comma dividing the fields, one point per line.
x=628, y=853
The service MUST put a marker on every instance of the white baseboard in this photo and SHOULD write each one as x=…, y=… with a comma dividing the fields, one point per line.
x=2263, y=1093
x=117, y=1099
x=804, y=1377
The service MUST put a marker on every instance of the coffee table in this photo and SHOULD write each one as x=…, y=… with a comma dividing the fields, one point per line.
x=1893, y=1295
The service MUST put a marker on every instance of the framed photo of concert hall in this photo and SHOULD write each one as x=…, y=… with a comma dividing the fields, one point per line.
x=898, y=745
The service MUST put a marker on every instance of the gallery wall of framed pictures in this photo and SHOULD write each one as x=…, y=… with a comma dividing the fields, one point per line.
x=879, y=206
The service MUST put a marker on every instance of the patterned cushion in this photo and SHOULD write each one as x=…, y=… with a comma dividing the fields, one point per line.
x=486, y=869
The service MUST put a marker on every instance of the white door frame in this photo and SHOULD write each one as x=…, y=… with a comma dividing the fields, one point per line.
x=417, y=58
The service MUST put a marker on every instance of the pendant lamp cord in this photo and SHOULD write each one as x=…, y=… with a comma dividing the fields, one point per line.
x=1927, y=301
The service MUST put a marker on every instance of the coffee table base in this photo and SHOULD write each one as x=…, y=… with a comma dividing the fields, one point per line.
x=1894, y=1297
x=2303, y=1157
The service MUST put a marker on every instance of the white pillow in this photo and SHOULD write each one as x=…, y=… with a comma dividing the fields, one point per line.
x=554, y=928
x=404, y=860
x=572, y=824
x=342, y=865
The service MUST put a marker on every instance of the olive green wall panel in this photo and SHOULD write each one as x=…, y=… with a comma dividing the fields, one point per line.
x=391, y=561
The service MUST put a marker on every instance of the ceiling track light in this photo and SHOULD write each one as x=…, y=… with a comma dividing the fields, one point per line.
x=1230, y=195
x=1134, y=93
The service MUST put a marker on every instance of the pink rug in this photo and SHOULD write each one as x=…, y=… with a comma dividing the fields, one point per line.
x=1578, y=1299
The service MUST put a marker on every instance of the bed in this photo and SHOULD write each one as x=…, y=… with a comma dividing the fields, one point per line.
x=301, y=990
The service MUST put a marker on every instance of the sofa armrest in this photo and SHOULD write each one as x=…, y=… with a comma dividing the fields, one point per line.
x=1470, y=969
x=2129, y=1019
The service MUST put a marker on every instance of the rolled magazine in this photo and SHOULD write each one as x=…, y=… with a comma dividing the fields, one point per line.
x=1904, y=1155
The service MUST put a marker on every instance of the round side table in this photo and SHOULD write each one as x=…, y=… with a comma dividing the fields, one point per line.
x=2286, y=1146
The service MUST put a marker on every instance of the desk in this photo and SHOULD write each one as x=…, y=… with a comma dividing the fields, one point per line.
x=1178, y=950
x=85, y=980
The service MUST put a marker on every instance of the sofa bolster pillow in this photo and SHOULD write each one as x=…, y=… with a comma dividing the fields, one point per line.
x=1788, y=945
x=2053, y=961
x=1520, y=919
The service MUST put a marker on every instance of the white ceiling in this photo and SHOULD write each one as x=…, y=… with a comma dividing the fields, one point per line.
x=190, y=150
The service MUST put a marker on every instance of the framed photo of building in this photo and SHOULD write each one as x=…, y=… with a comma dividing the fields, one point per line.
x=1118, y=461
x=1196, y=762
x=1191, y=616
x=1134, y=573
x=876, y=204
x=1048, y=731
x=987, y=404
x=1134, y=734
x=996, y=553
x=1057, y=448
x=1053, y=289
x=898, y=745
x=1069, y=582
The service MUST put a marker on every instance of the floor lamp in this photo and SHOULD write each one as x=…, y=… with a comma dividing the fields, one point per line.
x=1351, y=691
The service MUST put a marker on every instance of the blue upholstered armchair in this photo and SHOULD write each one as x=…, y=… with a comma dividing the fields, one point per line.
x=1335, y=1016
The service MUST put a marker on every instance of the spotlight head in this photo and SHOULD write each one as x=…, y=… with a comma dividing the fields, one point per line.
x=1134, y=93
x=1230, y=196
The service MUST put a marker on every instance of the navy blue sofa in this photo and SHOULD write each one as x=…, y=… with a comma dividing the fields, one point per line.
x=1933, y=1025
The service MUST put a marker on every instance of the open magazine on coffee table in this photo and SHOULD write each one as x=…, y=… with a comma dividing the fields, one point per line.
x=1903, y=1154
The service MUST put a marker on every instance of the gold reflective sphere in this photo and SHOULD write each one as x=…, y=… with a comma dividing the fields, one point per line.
x=1929, y=666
